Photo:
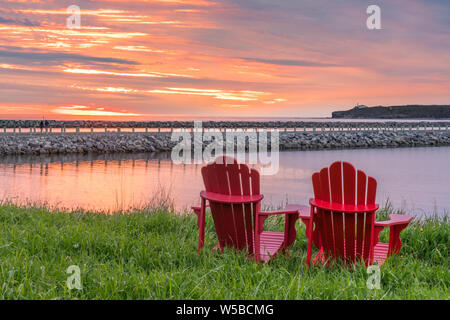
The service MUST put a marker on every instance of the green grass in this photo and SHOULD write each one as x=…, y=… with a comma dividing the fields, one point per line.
x=153, y=255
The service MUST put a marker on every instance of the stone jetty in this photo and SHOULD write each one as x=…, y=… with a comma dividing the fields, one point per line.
x=138, y=142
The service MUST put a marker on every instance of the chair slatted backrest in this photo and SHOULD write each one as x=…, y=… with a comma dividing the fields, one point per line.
x=234, y=223
x=347, y=236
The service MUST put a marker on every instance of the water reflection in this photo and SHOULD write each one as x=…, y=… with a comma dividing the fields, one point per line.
x=415, y=179
x=93, y=182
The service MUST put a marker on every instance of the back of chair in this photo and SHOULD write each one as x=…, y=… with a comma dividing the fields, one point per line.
x=348, y=236
x=234, y=223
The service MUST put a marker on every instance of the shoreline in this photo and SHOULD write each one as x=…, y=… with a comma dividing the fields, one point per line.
x=160, y=142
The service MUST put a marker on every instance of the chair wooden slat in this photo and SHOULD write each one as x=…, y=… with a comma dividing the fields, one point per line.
x=349, y=186
x=371, y=190
x=349, y=183
x=324, y=185
x=361, y=199
x=336, y=182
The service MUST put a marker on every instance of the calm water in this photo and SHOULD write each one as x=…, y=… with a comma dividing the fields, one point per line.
x=414, y=179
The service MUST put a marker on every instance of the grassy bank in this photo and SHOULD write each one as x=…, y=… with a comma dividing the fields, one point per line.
x=152, y=255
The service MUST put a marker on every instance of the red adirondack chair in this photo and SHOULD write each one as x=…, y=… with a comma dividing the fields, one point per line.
x=343, y=214
x=233, y=194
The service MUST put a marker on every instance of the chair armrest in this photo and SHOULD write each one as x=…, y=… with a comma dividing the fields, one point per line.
x=305, y=216
x=396, y=219
x=346, y=208
x=261, y=216
x=289, y=209
x=200, y=212
x=231, y=199
x=271, y=213
x=396, y=224
x=291, y=213
x=197, y=209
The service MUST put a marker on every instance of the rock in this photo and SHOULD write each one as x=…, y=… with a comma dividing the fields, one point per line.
x=160, y=142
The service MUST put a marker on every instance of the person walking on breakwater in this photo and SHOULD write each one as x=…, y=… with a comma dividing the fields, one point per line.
x=41, y=125
x=46, y=123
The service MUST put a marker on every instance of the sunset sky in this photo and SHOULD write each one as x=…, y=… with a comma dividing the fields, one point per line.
x=157, y=59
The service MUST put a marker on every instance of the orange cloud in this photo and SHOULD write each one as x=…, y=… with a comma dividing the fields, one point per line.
x=124, y=74
x=215, y=93
x=88, y=111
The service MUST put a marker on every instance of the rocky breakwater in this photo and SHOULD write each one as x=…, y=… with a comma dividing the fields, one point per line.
x=84, y=143
x=17, y=144
x=365, y=139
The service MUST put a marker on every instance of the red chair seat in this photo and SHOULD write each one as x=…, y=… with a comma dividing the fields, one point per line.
x=380, y=253
x=270, y=245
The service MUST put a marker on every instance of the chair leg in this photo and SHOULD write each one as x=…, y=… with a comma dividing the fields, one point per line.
x=395, y=242
x=310, y=239
x=201, y=226
x=257, y=239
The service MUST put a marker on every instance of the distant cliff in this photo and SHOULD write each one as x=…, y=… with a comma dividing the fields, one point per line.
x=396, y=112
